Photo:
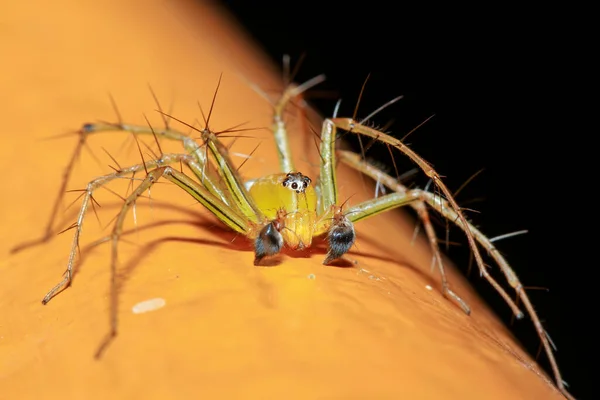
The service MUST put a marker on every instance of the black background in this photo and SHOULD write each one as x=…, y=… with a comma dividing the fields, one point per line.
x=487, y=75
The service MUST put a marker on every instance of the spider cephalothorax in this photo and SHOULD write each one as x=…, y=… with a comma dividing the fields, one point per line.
x=289, y=204
x=291, y=200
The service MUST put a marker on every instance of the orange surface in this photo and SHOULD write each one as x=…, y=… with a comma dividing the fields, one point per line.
x=228, y=330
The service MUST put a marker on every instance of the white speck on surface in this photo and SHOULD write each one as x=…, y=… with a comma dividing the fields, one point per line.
x=148, y=305
x=312, y=276
x=428, y=287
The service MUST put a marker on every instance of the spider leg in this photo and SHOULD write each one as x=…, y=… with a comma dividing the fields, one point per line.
x=196, y=161
x=354, y=161
x=198, y=167
x=266, y=234
x=207, y=177
x=327, y=174
x=423, y=213
x=444, y=208
x=240, y=212
x=390, y=201
x=284, y=152
x=354, y=127
x=223, y=212
x=87, y=199
x=328, y=192
x=340, y=229
x=232, y=204
x=231, y=217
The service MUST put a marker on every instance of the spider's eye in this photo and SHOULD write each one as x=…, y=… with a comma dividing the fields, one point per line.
x=294, y=186
x=305, y=184
x=285, y=183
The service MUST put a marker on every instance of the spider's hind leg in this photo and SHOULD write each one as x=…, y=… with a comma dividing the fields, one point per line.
x=421, y=209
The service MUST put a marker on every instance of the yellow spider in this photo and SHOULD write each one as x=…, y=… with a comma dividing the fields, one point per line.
x=289, y=208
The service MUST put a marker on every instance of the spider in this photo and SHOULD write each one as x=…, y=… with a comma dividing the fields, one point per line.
x=289, y=208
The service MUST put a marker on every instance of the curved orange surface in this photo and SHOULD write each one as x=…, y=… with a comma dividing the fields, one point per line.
x=228, y=329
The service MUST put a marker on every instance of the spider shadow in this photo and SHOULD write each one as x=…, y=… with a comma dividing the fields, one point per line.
x=223, y=237
x=226, y=238
x=401, y=262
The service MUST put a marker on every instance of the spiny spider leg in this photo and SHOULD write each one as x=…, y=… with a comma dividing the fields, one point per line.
x=449, y=208
x=195, y=162
x=87, y=129
x=90, y=188
x=235, y=196
x=413, y=198
x=444, y=208
x=227, y=172
x=284, y=152
x=356, y=162
x=230, y=203
x=206, y=176
x=347, y=124
x=329, y=198
x=227, y=215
